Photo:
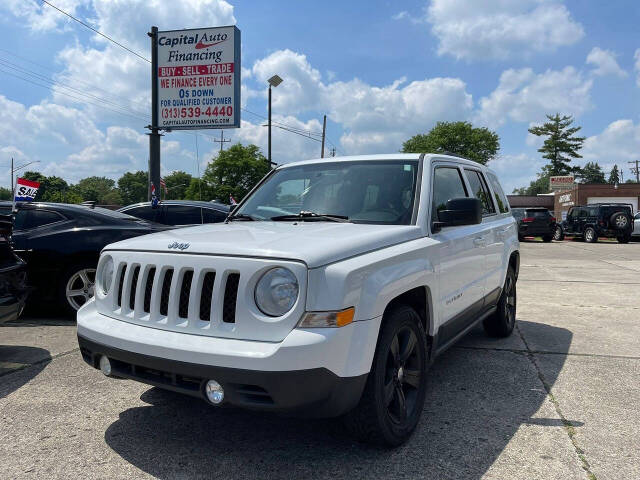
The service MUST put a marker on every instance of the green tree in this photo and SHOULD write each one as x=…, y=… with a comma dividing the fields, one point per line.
x=94, y=188
x=177, y=184
x=5, y=193
x=537, y=186
x=591, y=173
x=234, y=172
x=460, y=138
x=561, y=144
x=614, y=176
x=197, y=190
x=133, y=187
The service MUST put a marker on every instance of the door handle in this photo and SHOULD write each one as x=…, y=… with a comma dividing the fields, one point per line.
x=479, y=242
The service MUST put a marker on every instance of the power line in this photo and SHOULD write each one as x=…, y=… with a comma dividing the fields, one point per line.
x=48, y=87
x=96, y=31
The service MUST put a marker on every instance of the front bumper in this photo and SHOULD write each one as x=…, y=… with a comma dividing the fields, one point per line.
x=312, y=372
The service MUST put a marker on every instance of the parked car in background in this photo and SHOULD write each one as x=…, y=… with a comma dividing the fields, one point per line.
x=61, y=244
x=609, y=220
x=179, y=212
x=329, y=292
x=636, y=225
x=13, y=275
x=535, y=222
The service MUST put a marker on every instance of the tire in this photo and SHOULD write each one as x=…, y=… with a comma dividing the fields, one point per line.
x=620, y=221
x=590, y=235
x=558, y=234
x=547, y=238
x=502, y=322
x=380, y=417
x=79, y=279
x=624, y=238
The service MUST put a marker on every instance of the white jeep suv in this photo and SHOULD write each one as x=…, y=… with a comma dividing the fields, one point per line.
x=329, y=291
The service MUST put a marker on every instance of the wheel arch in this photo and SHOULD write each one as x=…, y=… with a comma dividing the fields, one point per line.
x=420, y=299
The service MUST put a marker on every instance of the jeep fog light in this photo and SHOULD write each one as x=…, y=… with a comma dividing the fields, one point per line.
x=327, y=319
x=214, y=392
x=105, y=365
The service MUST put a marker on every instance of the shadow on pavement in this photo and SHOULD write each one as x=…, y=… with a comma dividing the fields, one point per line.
x=477, y=400
x=29, y=361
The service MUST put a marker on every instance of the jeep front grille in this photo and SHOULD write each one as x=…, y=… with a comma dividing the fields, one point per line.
x=129, y=291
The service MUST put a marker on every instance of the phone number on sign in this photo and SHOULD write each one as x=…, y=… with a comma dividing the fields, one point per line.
x=196, y=112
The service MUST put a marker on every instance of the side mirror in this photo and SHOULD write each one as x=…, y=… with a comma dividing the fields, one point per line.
x=458, y=212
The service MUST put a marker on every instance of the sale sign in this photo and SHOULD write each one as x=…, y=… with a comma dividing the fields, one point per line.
x=26, y=190
x=199, y=78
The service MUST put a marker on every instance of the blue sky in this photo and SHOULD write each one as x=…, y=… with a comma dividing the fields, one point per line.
x=381, y=71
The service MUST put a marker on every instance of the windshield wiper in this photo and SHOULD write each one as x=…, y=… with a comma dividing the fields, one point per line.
x=311, y=216
x=240, y=216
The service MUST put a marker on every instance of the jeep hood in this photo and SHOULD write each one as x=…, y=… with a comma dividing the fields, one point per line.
x=315, y=243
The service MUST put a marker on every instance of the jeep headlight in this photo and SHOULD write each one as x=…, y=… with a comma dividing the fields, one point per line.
x=276, y=292
x=105, y=275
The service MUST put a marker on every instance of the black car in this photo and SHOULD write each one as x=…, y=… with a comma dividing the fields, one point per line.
x=535, y=222
x=179, y=212
x=61, y=244
x=610, y=220
x=13, y=275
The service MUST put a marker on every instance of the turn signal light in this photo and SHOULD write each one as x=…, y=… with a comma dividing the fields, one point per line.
x=327, y=319
x=528, y=219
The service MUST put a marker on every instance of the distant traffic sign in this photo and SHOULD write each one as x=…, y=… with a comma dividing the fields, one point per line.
x=199, y=78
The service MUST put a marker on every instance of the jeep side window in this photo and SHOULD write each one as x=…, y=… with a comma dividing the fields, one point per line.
x=480, y=190
x=501, y=198
x=447, y=184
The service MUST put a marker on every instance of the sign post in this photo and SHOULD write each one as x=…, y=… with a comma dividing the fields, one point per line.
x=195, y=84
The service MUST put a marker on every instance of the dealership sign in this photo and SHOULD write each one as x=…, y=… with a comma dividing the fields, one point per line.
x=563, y=182
x=199, y=78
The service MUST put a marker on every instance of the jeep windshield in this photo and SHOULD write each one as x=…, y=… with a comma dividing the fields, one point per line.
x=377, y=192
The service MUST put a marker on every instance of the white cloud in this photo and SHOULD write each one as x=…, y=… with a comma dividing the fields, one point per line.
x=400, y=15
x=374, y=118
x=604, y=63
x=636, y=66
x=40, y=17
x=618, y=143
x=524, y=96
x=500, y=29
x=515, y=171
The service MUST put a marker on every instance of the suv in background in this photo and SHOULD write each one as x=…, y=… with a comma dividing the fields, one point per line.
x=534, y=222
x=610, y=220
x=328, y=291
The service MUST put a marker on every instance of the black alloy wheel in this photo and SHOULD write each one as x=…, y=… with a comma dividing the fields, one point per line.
x=503, y=321
x=393, y=397
x=402, y=377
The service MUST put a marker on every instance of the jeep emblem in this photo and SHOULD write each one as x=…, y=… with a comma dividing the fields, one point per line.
x=178, y=246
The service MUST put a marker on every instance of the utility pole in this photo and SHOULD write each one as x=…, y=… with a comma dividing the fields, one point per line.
x=324, y=131
x=636, y=170
x=154, y=136
x=222, y=141
x=332, y=153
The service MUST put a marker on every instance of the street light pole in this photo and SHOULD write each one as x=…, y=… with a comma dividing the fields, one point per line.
x=269, y=148
x=273, y=82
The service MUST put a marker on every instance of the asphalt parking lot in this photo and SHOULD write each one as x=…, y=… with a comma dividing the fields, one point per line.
x=558, y=399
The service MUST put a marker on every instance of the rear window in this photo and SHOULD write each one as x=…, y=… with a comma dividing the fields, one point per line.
x=538, y=213
x=611, y=209
x=501, y=198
